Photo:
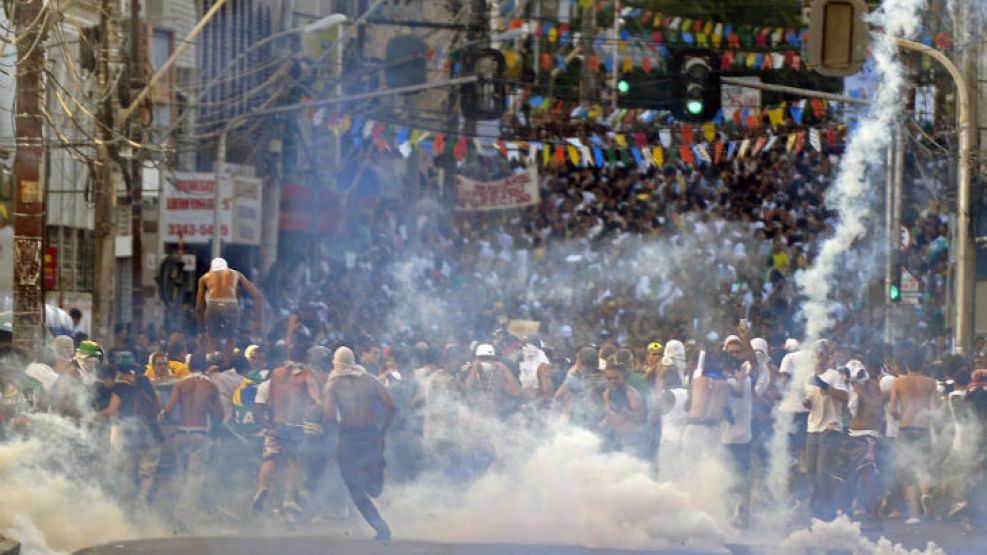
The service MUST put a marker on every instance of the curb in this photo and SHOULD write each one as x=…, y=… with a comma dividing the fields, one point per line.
x=9, y=547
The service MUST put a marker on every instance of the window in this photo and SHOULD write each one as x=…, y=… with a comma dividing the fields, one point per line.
x=161, y=50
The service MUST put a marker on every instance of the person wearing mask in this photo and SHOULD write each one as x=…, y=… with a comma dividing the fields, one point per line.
x=859, y=462
x=217, y=303
x=826, y=397
x=135, y=435
x=673, y=365
x=357, y=404
x=914, y=400
x=535, y=369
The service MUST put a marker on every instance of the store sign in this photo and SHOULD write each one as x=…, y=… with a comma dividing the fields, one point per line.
x=187, y=209
x=516, y=191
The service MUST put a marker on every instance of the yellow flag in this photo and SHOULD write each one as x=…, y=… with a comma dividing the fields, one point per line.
x=344, y=124
x=553, y=35
x=790, y=144
x=777, y=117
x=687, y=25
x=659, y=156
x=708, y=29
x=656, y=21
x=751, y=59
x=628, y=64
x=546, y=155
x=596, y=111
x=621, y=140
x=574, y=155
x=622, y=46
x=709, y=131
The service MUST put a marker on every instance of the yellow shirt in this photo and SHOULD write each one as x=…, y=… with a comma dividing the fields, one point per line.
x=178, y=370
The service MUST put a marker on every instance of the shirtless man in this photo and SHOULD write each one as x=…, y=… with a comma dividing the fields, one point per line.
x=356, y=402
x=197, y=399
x=859, y=454
x=293, y=391
x=913, y=401
x=217, y=306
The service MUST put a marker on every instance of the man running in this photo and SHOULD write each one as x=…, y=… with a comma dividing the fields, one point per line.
x=217, y=306
x=293, y=391
x=913, y=402
x=197, y=400
x=352, y=400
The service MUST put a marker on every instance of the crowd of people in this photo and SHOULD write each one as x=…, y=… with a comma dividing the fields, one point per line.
x=613, y=306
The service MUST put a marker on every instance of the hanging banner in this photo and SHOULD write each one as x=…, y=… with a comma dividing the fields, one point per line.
x=516, y=191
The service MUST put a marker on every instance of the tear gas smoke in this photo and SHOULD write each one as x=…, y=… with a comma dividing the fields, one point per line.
x=53, y=501
x=844, y=534
x=850, y=193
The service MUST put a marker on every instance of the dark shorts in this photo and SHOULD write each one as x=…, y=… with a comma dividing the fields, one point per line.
x=858, y=454
x=800, y=431
x=222, y=318
x=283, y=441
x=361, y=459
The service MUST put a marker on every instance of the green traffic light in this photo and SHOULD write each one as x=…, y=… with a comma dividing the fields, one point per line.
x=895, y=293
x=695, y=107
x=623, y=86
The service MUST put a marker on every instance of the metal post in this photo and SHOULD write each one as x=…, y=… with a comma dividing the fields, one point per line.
x=28, y=310
x=136, y=175
x=891, y=243
x=217, y=232
x=615, y=74
x=965, y=275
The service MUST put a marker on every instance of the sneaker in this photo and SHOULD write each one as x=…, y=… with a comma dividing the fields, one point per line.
x=292, y=507
x=895, y=514
x=913, y=521
x=257, y=506
x=957, y=508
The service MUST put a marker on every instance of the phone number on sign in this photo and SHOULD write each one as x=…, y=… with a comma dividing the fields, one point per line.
x=192, y=230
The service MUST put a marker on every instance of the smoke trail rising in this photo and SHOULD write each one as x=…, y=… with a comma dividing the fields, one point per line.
x=849, y=194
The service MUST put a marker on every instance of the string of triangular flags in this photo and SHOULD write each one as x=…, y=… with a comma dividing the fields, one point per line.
x=687, y=143
x=729, y=119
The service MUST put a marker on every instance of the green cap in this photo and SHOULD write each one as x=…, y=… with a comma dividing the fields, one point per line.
x=89, y=349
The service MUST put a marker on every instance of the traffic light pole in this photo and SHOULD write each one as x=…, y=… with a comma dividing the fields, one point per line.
x=795, y=91
x=963, y=244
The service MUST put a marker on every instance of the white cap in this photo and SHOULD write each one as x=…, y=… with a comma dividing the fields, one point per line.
x=856, y=368
x=344, y=357
x=485, y=350
x=759, y=344
x=791, y=344
x=730, y=339
x=218, y=264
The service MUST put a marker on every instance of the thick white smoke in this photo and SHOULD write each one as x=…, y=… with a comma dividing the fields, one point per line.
x=51, y=500
x=565, y=491
x=844, y=535
x=849, y=194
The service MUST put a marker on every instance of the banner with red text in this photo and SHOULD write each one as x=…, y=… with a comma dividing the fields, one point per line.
x=516, y=191
x=187, y=209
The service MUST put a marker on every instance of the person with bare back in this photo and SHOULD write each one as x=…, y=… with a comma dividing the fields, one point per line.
x=217, y=304
x=913, y=402
x=358, y=404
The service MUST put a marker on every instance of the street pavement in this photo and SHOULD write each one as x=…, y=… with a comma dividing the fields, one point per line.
x=946, y=535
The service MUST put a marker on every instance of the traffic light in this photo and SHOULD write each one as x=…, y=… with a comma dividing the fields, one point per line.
x=894, y=288
x=697, y=81
x=485, y=99
x=838, y=37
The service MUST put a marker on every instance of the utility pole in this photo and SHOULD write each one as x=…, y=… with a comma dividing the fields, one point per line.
x=137, y=67
x=29, y=224
x=104, y=191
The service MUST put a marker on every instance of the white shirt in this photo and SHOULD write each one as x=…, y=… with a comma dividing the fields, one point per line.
x=798, y=366
x=263, y=392
x=740, y=407
x=674, y=421
x=826, y=413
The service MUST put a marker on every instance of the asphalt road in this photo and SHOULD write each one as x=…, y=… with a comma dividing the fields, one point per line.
x=946, y=536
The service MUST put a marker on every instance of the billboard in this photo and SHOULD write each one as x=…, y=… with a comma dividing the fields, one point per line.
x=187, y=209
